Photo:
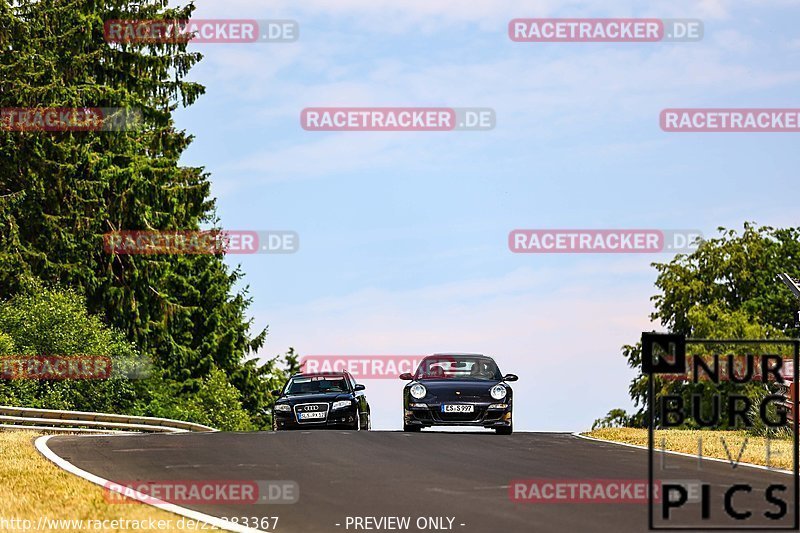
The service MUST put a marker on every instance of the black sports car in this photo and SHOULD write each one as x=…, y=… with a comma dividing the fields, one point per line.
x=331, y=400
x=458, y=390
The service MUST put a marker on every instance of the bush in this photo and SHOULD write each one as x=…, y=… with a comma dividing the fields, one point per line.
x=43, y=322
x=6, y=344
x=215, y=403
x=616, y=418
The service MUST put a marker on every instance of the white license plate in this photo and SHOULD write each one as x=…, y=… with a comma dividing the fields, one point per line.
x=311, y=414
x=458, y=408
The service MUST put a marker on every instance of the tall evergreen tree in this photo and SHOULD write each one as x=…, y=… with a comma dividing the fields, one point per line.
x=61, y=191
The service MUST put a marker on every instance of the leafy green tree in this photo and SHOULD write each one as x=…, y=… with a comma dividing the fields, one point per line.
x=727, y=288
x=61, y=191
x=44, y=322
x=736, y=271
x=41, y=321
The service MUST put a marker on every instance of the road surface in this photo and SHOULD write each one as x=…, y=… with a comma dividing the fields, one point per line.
x=461, y=478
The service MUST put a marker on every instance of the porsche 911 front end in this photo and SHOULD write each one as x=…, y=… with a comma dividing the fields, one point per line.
x=458, y=390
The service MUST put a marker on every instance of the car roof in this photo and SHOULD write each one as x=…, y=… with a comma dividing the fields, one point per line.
x=455, y=354
x=320, y=374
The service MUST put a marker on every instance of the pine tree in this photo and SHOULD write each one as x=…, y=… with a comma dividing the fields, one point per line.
x=61, y=191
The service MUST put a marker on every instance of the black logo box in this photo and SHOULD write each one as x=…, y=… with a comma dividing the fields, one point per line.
x=674, y=345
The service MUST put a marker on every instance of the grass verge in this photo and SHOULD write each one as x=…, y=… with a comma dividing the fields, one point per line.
x=39, y=491
x=725, y=445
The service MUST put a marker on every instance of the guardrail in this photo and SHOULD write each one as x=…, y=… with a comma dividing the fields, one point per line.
x=86, y=422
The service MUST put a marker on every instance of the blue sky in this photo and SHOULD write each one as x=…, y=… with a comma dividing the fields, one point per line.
x=404, y=235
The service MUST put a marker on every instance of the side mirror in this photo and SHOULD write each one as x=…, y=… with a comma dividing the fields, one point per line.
x=276, y=393
x=407, y=376
x=359, y=387
x=510, y=377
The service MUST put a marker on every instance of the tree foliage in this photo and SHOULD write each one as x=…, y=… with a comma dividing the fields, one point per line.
x=41, y=321
x=727, y=288
x=614, y=419
x=61, y=191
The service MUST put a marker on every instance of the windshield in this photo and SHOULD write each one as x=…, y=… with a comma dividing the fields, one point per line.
x=316, y=384
x=457, y=367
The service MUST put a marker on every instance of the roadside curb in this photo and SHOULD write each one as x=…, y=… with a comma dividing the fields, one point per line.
x=41, y=446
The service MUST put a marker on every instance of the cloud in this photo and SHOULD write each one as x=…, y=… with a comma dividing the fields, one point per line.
x=424, y=16
x=537, y=97
x=717, y=9
x=734, y=41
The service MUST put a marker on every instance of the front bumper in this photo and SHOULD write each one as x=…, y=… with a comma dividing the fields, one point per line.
x=346, y=417
x=432, y=415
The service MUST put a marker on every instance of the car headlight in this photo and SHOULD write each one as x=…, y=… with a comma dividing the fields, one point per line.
x=418, y=391
x=283, y=407
x=340, y=404
x=498, y=392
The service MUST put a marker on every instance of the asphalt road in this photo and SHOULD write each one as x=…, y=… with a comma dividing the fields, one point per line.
x=460, y=476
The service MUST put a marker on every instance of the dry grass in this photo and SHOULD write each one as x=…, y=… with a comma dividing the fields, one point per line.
x=33, y=487
x=714, y=444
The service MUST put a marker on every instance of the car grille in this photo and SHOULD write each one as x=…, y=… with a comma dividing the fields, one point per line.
x=311, y=408
x=465, y=398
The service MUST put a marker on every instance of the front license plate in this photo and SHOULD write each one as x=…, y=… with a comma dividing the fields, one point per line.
x=312, y=414
x=458, y=408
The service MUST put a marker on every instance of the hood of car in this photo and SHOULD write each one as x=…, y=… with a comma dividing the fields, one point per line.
x=453, y=389
x=314, y=398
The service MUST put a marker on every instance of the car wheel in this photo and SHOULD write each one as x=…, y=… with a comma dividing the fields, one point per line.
x=413, y=429
x=505, y=431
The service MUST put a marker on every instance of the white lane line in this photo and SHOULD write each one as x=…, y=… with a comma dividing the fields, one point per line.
x=683, y=454
x=41, y=445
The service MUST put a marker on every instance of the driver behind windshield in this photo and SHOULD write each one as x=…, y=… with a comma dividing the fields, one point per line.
x=460, y=369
